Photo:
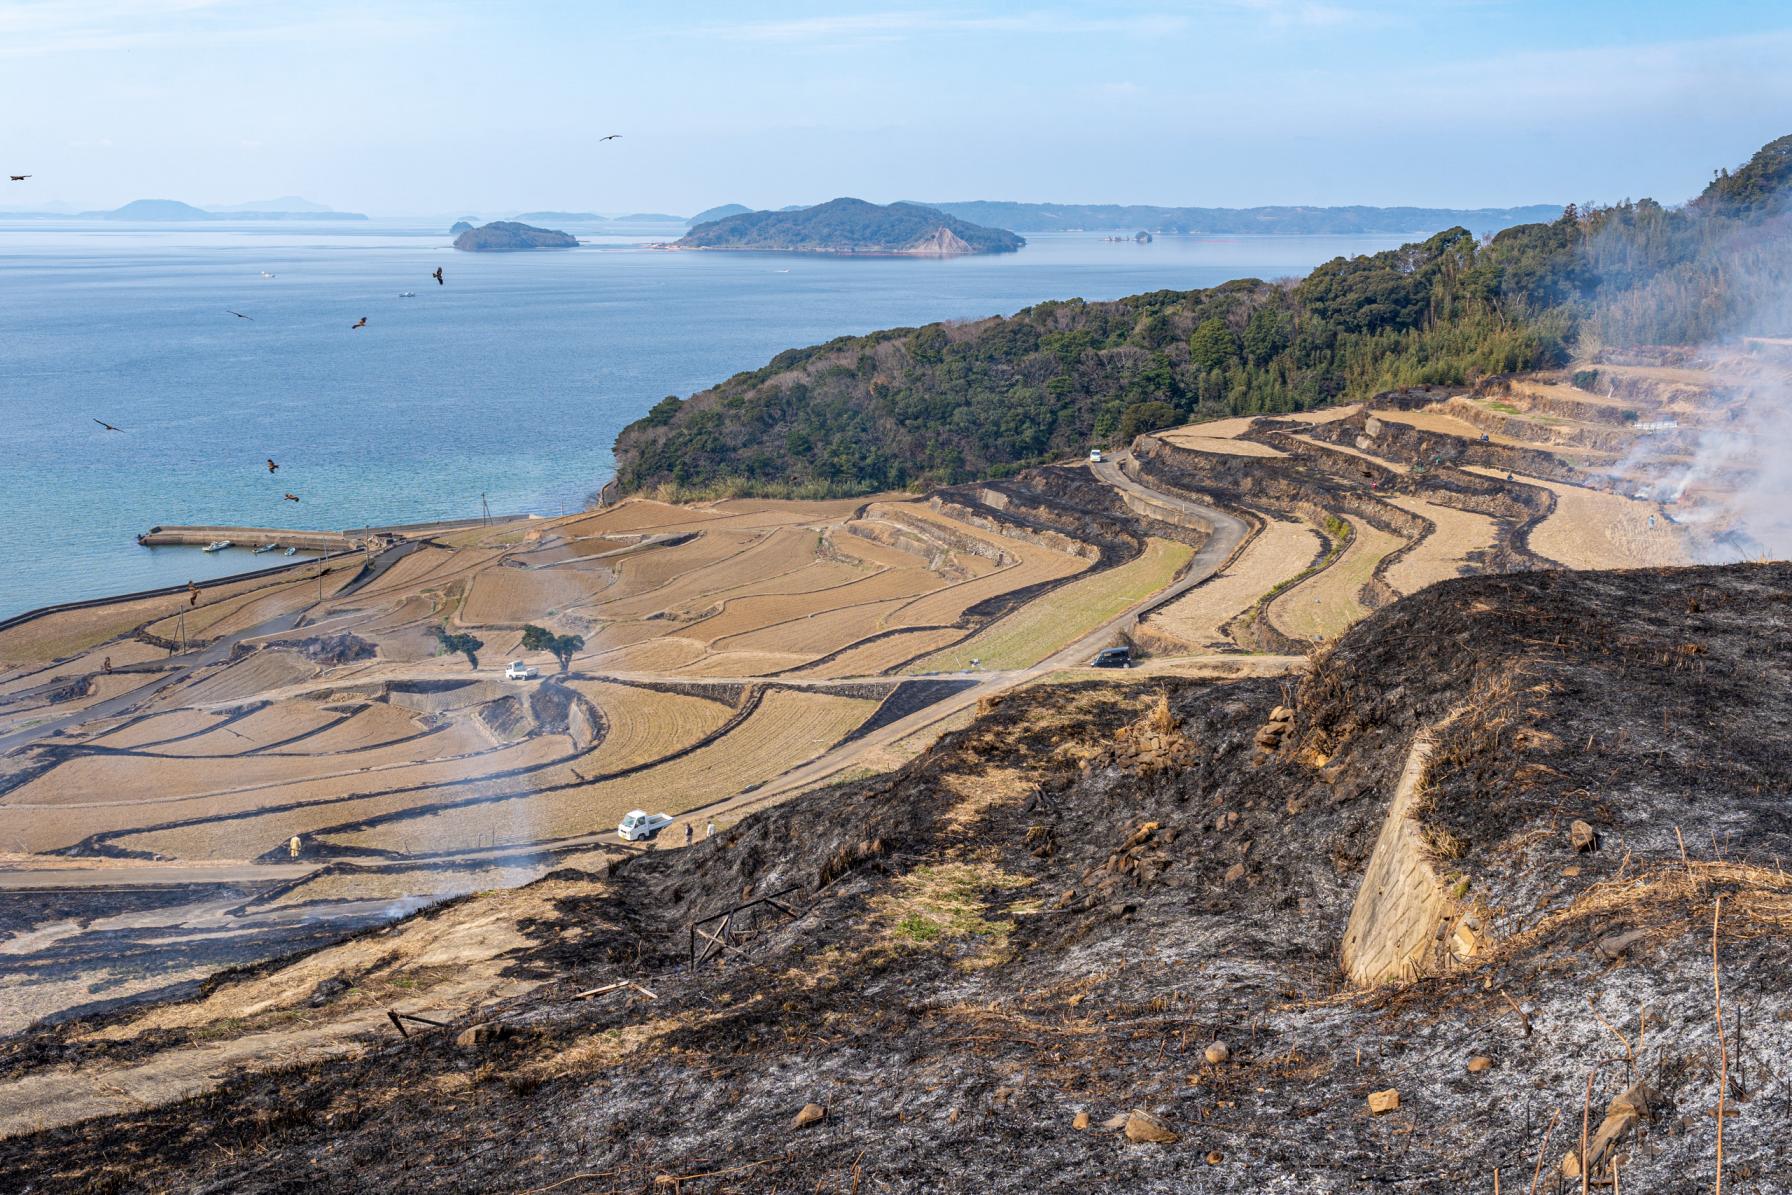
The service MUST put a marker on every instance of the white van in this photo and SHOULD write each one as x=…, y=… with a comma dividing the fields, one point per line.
x=1095, y=457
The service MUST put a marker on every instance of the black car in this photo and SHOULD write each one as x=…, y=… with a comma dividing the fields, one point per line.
x=1112, y=657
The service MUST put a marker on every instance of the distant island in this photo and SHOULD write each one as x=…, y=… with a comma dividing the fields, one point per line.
x=505, y=236
x=461, y=226
x=717, y=213
x=852, y=226
x=173, y=210
x=1262, y=221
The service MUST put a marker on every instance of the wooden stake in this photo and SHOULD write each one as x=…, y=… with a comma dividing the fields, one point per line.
x=1723, y=1053
x=1586, y=1106
x=1543, y=1149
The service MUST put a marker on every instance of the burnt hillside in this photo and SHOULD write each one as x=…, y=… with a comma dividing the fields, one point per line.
x=1054, y=918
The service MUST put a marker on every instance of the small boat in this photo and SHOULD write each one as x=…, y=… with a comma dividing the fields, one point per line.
x=290, y=551
x=217, y=545
x=407, y=294
x=265, y=548
x=265, y=274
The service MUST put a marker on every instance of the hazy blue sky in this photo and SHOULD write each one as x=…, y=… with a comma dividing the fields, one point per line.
x=396, y=107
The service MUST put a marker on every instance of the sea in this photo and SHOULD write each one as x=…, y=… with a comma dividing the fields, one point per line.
x=500, y=391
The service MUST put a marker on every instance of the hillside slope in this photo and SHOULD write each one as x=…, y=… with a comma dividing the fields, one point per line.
x=953, y=402
x=1047, y=915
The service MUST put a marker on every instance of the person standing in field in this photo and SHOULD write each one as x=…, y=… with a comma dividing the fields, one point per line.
x=689, y=830
x=711, y=832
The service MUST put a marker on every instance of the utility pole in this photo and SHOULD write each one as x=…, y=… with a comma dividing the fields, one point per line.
x=485, y=507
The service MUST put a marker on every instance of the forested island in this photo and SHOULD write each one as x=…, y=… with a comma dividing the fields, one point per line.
x=1243, y=221
x=505, y=236
x=852, y=226
x=948, y=403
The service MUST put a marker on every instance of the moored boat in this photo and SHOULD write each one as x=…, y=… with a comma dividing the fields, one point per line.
x=217, y=545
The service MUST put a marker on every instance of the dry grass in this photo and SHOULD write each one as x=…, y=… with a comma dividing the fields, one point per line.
x=1281, y=550
x=1594, y=530
x=1041, y=627
x=1326, y=604
x=1443, y=553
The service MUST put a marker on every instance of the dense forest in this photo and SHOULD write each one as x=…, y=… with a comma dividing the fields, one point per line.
x=848, y=226
x=945, y=403
x=1233, y=221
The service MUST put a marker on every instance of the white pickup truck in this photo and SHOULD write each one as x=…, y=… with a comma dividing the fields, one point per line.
x=637, y=824
x=518, y=670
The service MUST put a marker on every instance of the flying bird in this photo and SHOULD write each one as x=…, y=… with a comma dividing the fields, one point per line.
x=106, y=425
x=438, y=277
x=18, y=178
x=611, y=137
x=360, y=323
x=272, y=467
x=292, y=497
x=240, y=315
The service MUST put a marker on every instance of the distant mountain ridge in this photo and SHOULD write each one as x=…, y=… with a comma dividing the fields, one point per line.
x=852, y=226
x=1287, y=221
x=172, y=210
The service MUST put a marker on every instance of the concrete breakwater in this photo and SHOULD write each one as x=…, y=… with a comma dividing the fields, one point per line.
x=305, y=541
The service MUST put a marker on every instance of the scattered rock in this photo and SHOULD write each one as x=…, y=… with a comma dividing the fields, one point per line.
x=1218, y=1053
x=1382, y=1102
x=1479, y=1063
x=478, y=1036
x=814, y=1112
x=1081, y=1122
x=1582, y=837
x=1215, y=1157
x=1142, y=1127
x=952, y=1116
x=1235, y=873
x=1115, y=1122
x=1628, y=1107
x=1618, y=945
x=327, y=990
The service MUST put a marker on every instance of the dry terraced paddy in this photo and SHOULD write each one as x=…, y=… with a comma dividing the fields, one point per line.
x=644, y=724
x=788, y=727
x=1060, y=617
x=1589, y=529
x=1443, y=553
x=1327, y=603
x=1284, y=548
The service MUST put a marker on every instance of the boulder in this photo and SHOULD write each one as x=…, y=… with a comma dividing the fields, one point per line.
x=1081, y=1122
x=1383, y=1102
x=1218, y=1053
x=1617, y=946
x=810, y=1114
x=1582, y=837
x=1142, y=1127
x=1627, y=1109
x=1479, y=1063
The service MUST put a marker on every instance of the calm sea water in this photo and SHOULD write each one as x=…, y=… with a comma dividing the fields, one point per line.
x=507, y=385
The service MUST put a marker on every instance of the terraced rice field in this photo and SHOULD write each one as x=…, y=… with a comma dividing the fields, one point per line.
x=1595, y=530
x=1064, y=615
x=1443, y=553
x=788, y=726
x=1283, y=549
x=1327, y=603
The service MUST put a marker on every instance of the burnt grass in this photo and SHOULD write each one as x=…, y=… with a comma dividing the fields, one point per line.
x=952, y=1049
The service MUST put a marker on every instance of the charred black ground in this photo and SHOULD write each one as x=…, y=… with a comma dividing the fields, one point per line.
x=1015, y=928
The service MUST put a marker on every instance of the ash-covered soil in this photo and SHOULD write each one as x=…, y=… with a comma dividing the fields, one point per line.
x=1023, y=925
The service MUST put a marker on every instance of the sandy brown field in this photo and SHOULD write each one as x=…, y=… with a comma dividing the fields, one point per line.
x=1281, y=550
x=1327, y=603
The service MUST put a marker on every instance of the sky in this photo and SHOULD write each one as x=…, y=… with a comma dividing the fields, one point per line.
x=394, y=107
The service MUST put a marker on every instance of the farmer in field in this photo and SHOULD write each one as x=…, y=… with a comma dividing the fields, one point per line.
x=689, y=832
x=711, y=832
x=292, y=846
